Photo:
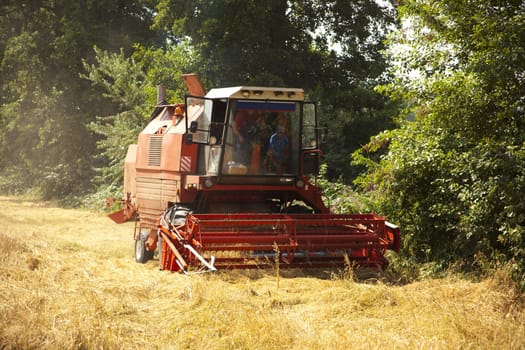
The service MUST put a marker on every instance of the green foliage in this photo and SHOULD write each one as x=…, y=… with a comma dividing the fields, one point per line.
x=453, y=177
x=45, y=145
x=130, y=82
x=309, y=44
x=122, y=80
x=339, y=197
x=351, y=117
x=37, y=128
x=166, y=66
x=54, y=130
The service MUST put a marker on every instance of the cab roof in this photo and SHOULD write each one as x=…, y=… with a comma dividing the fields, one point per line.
x=258, y=93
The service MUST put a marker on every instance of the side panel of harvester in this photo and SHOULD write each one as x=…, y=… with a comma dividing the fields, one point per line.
x=155, y=168
x=162, y=161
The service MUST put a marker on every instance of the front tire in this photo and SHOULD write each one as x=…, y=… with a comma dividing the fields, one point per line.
x=141, y=253
x=159, y=247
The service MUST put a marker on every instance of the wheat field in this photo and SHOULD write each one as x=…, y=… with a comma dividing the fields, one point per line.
x=69, y=281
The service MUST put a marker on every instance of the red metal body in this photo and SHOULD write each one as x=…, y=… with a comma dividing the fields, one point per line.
x=227, y=180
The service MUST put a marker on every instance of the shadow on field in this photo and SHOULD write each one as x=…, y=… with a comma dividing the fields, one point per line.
x=356, y=275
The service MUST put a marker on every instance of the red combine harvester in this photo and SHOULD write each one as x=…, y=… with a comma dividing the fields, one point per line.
x=227, y=180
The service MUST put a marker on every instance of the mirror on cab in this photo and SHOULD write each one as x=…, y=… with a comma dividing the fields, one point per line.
x=188, y=137
x=193, y=127
x=311, y=162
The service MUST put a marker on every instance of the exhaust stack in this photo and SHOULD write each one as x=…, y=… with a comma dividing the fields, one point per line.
x=161, y=95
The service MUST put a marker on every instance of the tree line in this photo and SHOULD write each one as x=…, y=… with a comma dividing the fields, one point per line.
x=423, y=101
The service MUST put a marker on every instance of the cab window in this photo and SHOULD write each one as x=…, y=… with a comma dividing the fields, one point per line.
x=262, y=138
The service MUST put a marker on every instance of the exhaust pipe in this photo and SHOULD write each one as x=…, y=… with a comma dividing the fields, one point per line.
x=161, y=95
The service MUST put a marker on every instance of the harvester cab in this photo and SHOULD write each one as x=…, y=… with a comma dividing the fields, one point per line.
x=226, y=179
x=257, y=148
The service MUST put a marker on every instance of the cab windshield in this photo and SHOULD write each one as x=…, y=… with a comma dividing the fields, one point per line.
x=262, y=138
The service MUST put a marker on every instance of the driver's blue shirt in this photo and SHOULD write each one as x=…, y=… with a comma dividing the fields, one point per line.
x=277, y=145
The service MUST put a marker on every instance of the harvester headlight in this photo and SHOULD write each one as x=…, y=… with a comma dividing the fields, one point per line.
x=299, y=183
x=245, y=93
